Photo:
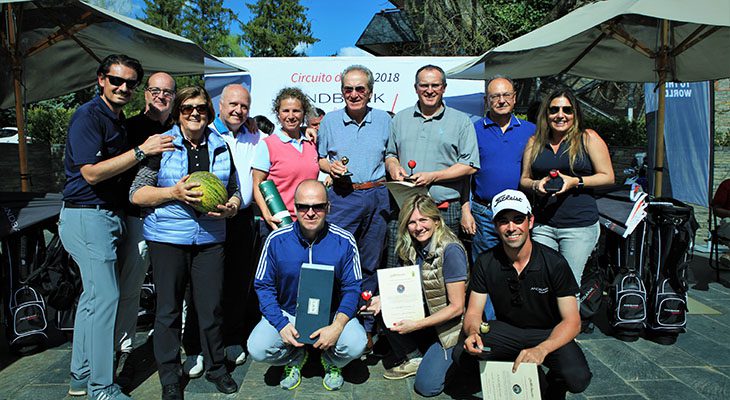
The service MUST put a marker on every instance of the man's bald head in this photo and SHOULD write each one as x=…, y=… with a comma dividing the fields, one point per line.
x=312, y=206
x=159, y=95
x=234, y=105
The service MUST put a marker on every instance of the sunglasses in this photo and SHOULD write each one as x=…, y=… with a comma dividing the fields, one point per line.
x=155, y=91
x=514, y=288
x=187, y=109
x=117, y=81
x=567, y=110
x=304, y=208
x=517, y=220
x=358, y=89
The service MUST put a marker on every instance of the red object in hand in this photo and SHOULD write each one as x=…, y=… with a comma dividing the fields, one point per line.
x=366, y=295
x=554, y=173
x=411, y=164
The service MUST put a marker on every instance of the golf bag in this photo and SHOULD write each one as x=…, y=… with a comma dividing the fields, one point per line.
x=627, y=291
x=673, y=227
x=25, y=316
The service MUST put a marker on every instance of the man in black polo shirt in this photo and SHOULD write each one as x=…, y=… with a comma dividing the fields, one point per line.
x=92, y=220
x=534, y=297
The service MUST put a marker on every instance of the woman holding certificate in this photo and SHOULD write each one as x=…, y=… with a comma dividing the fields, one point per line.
x=425, y=240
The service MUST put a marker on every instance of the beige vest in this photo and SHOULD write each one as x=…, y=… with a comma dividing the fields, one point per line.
x=434, y=288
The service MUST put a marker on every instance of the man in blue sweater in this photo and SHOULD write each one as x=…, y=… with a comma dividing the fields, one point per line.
x=310, y=240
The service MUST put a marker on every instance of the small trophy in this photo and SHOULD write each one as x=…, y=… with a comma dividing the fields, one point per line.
x=366, y=295
x=345, y=161
x=411, y=165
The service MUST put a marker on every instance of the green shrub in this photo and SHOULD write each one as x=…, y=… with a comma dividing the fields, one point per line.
x=619, y=132
x=48, y=125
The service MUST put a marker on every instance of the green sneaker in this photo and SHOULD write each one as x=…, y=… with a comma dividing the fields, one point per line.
x=332, y=376
x=293, y=373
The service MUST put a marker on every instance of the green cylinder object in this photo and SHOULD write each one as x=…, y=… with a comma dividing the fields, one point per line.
x=276, y=206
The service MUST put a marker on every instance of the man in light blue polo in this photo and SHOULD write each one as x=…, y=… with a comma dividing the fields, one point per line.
x=351, y=147
x=442, y=142
x=501, y=138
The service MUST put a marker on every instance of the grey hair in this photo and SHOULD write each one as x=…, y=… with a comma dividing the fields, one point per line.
x=361, y=68
x=499, y=76
x=431, y=67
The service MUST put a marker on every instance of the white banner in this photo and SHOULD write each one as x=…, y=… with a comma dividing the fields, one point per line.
x=319, y=78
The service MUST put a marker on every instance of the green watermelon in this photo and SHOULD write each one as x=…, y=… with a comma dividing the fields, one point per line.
x=214, y=192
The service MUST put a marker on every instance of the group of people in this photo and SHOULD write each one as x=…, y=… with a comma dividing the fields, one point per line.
x=128, y=202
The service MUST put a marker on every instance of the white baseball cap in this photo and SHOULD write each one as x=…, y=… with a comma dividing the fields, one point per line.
x=510, y=199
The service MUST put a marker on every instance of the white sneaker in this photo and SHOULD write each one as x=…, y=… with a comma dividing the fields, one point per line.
x=235, y=354
x=193, y=366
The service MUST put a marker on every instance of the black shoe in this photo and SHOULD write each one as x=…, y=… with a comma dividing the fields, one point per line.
x=172, y=391
x=224, y=383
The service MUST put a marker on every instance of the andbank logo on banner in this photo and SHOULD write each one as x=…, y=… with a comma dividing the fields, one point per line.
x=319, y=78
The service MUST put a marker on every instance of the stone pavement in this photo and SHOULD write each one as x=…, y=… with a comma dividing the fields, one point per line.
x=696, y=367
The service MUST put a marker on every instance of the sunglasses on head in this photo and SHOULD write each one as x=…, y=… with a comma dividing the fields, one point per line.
x=318, y=208
x=517, y=219
x=187, y=109
x=358, y=89
x=117, y=81
x=567, y=110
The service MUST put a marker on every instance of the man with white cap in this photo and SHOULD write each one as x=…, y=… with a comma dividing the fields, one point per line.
x=534, y=295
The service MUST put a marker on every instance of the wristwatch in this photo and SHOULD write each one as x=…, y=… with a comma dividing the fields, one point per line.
x=484, y=328
x=580, y=182
x=139, y=155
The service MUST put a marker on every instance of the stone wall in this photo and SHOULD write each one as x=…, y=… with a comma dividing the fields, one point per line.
x=44, y=162
x=722, y=105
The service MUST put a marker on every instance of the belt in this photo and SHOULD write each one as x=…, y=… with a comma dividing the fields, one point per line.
x=360, y=186
x=481, y=201
x=68, y=204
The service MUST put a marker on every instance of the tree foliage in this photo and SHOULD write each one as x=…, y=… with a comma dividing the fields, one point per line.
x=277, y=29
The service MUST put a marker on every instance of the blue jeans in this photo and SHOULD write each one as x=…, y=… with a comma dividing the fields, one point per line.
x=575, y=244
x=484, y=239
x=92, y=238
x=265, y=344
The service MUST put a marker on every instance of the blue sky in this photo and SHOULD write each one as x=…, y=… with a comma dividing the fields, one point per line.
x=336, y=23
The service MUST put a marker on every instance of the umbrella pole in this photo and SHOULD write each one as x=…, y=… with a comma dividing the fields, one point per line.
x=662, y=61
x=19, y=112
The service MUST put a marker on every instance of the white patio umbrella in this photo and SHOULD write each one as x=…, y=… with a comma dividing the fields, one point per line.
x=51, y=48
x=625, y=41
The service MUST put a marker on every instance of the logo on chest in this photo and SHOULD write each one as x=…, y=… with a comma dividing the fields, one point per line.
x=539, y=290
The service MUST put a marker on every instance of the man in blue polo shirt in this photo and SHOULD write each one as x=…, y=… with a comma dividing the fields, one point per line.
x=92, y=221
x=501, y=138
x=351, y=145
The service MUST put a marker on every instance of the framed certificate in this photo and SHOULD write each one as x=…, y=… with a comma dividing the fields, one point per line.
x=499, y=383
x=401, y=295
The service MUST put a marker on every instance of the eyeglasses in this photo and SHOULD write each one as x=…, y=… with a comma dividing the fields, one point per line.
x=358, y=89
x=497, y=96
x=517, y=219
x=187, y=109
x=514, y=288
x=434, y=86
x=155, y=91
x=567, y=110
x=118, y=81
x=304, y=208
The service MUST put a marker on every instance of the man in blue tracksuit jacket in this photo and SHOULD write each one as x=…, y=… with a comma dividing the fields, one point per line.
x=309, y=240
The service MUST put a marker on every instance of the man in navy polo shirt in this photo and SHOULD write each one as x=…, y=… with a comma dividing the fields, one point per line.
x=92, y=220
x=501, y=138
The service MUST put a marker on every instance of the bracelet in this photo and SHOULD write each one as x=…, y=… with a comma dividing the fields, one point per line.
x=534, y=185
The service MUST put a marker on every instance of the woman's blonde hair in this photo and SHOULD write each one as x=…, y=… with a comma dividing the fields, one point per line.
x=405, y=247
x=574, y=136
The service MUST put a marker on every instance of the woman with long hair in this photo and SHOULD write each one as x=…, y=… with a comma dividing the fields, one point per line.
x=566, y=220
x=426, y=241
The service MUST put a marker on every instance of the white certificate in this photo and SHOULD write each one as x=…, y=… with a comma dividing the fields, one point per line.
x=400, y=294
x=499, y=383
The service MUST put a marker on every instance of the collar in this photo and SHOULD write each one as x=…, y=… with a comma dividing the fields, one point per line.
x=506, y=264
x=221, y=127
x=438, y=115
x=320, y=235
x=346, y=119
x=286, y=139
x=179, y=138
x=514, y=121
x=104, y=108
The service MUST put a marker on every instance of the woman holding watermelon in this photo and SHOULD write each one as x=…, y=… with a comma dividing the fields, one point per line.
x=185, y=232
x=287, y=157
